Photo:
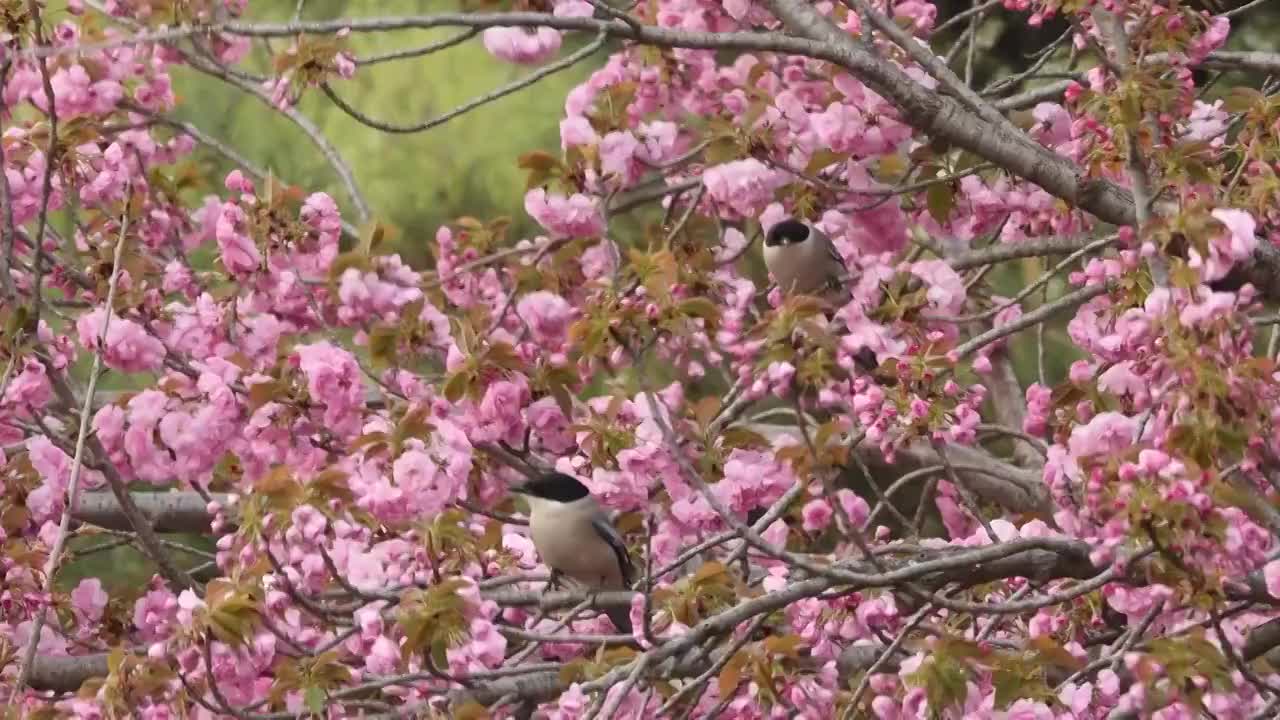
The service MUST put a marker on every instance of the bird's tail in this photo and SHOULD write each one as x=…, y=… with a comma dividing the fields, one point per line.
x=621, y=618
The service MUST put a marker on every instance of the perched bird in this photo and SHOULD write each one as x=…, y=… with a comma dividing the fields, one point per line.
x=576, y=539
x=803, y=260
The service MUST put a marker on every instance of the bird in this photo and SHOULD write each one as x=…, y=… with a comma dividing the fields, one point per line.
x=576, y=539
x=803, y=260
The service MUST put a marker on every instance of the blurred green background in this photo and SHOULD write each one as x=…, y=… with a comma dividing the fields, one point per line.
x=415, y=182
x=468, y=166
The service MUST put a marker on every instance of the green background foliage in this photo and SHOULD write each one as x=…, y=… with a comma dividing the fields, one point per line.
x=414, y=182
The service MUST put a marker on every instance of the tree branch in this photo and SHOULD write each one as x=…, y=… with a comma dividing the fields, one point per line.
x=177, y=511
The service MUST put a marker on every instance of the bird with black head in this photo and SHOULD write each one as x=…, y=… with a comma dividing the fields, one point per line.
x=576, y=539
x=803, y=260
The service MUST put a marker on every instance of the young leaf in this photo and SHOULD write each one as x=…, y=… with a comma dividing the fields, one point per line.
x=941, y=198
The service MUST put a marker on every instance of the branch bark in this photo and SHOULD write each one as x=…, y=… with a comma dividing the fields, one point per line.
x=63, y=674
x=994, y=480
x=1038, y=560
x=182, y=511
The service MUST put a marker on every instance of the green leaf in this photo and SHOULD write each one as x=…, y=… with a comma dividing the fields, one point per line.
x=382, y=345
x=456, y=387
x=470, y=710
x=314, y=698
x=372, y=238
x=1242, y=99
x=731, y=675
x=1130, y=109
x=738, y=437
x=787, y=645
x=537, y=160
x=701, y=307
x=941, y=199
x=944, y=681
x=440, y=653
x=721, y=150
x=16, y=321
x=115, y=659
x=574, y=671
x=354, y=259
x=824, y=158
x=1050, y=652
x=705, y=410
x=261, y=393
x=710, y=570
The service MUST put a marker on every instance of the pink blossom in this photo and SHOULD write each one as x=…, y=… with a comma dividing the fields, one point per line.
x=920, y=15
x=576, y=130
x=522, y=46
x=753, y=480
x=1106, y=433
x=1271, y=574
x=128, y=348
x=29, y=389
x=333, y=379
x=435, y=475
x=1054, y=126
x=76, y=93
x=547, y=316
x=817, y=515
x=618, y=157
x=946, y=293
x=855, y=508
x=1039, y=405
x=1028, y=710
x=1208, y=122
x=575, y=216
x=500, y=417
x=599, y=260
x=240, y=255
x=571, y=705
x=89, y=600
x=1230, y=247
x=383, y=657
x=744, y=186
x=657, y=142
x=485, y=649
x=377, y=294
x=1212, y=39
x=549, y=425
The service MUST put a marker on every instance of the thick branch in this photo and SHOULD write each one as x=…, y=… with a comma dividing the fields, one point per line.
x=138, y=523
x=1014, y=488
x=65, y=674
x=944, y=118
x=1262, y=640
x=933, y=569
x=167, y=511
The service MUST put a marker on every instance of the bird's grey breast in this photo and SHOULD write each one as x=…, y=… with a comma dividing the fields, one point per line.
x=803, y=267
x=567, y=539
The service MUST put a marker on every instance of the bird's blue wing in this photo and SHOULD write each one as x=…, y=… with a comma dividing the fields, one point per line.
x=841, y=271
x=835, y=254
x=609, y=534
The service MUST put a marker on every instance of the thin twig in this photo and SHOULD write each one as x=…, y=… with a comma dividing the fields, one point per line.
x=497, y=94
x=77, y=462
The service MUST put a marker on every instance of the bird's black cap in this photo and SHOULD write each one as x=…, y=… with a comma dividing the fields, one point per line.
x=554, y=486
x=787, y=232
